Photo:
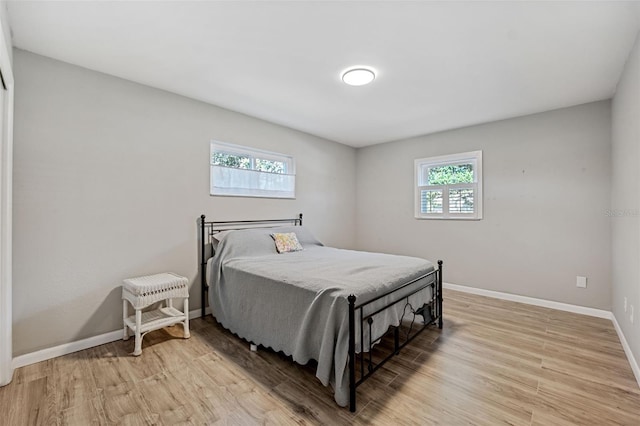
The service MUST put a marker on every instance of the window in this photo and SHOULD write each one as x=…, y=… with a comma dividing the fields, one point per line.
x=449, y=187
x=247, y=172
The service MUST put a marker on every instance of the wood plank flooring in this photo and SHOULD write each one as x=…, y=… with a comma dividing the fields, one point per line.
x=495, y=362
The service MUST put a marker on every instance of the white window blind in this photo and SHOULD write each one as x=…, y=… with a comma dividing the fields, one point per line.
x=247, y=172
x=449, y=186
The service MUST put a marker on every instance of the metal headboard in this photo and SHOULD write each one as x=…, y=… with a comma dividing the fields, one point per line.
x=209, y=229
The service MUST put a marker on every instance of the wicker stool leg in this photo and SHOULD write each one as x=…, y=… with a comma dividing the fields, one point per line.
x=186, y=319
x=125, y=314
x=138, y=345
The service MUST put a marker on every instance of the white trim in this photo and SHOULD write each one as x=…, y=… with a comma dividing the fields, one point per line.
x=251, y=182
x=196, y=313
x=592, y=312
x=443, y=160
x=420, y=166
x=6, y=209
x=627, y=349
x=79, y=345
x=233, y=149
x=66, y=348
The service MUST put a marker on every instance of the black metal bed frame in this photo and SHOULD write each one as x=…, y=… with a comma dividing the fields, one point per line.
x=431, y=312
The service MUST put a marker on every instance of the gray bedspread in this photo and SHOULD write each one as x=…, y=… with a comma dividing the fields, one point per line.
x=297, y=302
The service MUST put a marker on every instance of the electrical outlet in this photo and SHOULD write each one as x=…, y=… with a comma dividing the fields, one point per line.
x=581, y=282
x=631, y=316
x=625, y=303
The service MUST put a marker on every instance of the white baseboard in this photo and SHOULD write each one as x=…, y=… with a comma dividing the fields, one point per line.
x=79, y=345
x=627, y=349
x=197, y=313
x=66, y=348
x=600, y=313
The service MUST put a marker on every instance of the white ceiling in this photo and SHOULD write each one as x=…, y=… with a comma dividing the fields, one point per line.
x=441, y=65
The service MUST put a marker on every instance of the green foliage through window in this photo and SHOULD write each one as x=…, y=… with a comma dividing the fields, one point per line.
x=269, y=166
x=231, y=160
x=244, y=162
x=451, y=174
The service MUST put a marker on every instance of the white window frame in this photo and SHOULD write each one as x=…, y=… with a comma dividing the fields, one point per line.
x=6, y=209
x=421, y=167
x=253, y=154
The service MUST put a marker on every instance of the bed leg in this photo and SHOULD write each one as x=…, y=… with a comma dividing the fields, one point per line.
x=352, y=353
x=440, y=294
x=396, y=340
x=203, y=266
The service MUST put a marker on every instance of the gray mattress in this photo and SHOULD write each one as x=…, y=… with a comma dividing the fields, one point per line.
x=296, y=302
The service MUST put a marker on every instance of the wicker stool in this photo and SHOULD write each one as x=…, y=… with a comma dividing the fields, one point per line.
x=144, y=291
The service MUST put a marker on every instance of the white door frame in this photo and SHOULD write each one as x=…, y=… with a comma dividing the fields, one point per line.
x=6, y=209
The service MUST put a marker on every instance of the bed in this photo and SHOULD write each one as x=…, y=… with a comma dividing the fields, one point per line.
x=319, y=303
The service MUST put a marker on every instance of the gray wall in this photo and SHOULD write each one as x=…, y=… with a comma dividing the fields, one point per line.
x=625, y=199
x=546, y=189
x=109, y=178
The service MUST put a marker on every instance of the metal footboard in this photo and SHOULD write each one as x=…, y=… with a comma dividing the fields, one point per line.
x=431, y=312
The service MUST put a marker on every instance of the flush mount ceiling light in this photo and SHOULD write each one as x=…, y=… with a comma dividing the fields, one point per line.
x=358, y=76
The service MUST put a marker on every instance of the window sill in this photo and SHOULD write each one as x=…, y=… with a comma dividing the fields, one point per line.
x=275, y=197
x=446, y=218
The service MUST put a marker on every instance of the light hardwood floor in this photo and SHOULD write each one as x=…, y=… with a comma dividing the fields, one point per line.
x=495, y=362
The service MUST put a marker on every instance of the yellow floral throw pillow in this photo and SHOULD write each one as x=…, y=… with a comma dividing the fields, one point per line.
x=286, y=242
